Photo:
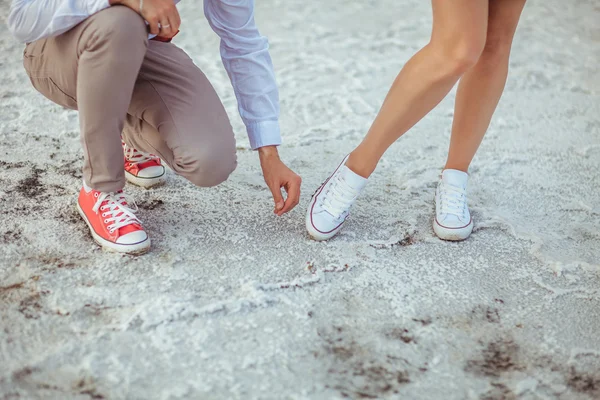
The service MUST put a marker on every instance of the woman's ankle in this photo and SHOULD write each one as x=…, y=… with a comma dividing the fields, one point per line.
x=359, y=164
x=456, y=166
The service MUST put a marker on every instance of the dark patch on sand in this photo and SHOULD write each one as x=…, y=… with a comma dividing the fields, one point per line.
x=423, y=321
x=11, y=287
x=84, y=386
x=56, y=261
x=400, y=334
x=11, y=396
x=499, y=391
x=56, y=143
x=70, y=215
x=52, y=262
x=584, y=382
x=497, y=357
x=93, y=394
x=11, y=165
x=356, y=372
x=31, y=187
x=407, y=240
x=31, y=307
x=11, y=236
x=69, y=169
x=16, y=286
x=57, y=190
x=87, y=387
x=150, y=204
x=489, y=314
x=23, y=373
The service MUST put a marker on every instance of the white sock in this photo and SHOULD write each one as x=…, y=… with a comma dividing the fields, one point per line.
x=353, y=180
x=86, y=188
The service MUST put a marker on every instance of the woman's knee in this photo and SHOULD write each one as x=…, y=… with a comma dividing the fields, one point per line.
x=460, y=54
x=497, y=47
x=503, y=21
x=205, y=167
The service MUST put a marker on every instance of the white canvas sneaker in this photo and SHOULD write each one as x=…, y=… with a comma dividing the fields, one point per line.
x=452, y=217
x=331, y=203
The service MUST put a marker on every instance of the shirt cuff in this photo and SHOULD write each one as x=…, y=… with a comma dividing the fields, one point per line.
x=94, y=6
x=265, y=133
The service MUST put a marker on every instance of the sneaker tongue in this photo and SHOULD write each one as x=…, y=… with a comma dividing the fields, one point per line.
x=149, y=163
x=352, y=179
x=128, y=229
x=455, y=178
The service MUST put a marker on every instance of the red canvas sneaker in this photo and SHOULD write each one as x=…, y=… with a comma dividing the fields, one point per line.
x=112, y=222
x=142, y=169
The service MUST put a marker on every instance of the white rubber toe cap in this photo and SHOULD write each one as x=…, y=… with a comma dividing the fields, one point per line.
x=453, y=221
x=451, y=229
x=322, y=226
x=152, y=172
x=133, y=238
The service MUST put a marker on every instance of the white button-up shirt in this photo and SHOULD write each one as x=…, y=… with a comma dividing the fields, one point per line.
x=245, y=53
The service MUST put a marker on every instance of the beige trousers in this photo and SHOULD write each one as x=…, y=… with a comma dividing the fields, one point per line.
x=148, y=91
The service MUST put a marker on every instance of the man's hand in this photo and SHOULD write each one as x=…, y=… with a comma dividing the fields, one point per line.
x=162, y=15
x=278, y=175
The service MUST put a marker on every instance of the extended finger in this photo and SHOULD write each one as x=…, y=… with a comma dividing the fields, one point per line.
x=277, y=197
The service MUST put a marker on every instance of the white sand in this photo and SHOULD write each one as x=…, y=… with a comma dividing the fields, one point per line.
x=234, y=303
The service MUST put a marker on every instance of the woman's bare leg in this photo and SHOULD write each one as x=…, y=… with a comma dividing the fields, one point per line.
x=457, y=40
x=481, y=87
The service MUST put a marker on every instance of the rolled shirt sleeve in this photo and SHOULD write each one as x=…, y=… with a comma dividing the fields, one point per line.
x=30, y=20
x=245, y=55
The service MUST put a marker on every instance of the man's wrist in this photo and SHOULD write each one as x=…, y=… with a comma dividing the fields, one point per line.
x=268, y=152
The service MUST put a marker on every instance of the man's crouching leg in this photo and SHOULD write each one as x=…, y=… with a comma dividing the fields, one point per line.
x=205, y=166
x=176, y=114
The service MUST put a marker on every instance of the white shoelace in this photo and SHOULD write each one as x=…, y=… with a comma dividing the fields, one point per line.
x=453, y=200
x=116, y=212
x=137, y=157
x=338, y=197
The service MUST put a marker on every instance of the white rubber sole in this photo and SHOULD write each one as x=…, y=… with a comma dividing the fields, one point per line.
x=132, y=249
x=146, y=183
x=450, y=234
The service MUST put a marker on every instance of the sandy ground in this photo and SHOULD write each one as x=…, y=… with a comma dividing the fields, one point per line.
x=235, y=303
